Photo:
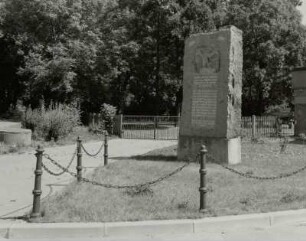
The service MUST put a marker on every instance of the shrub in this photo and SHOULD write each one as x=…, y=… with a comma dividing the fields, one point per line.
x=96, y=128
x=108, y=113
x=58, y=120
x=31, y=119
x=96, y=124
x=15, y=112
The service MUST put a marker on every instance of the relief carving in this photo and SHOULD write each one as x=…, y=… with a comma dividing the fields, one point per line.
x=206, y=60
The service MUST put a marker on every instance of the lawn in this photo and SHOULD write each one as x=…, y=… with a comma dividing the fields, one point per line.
x=178, y=196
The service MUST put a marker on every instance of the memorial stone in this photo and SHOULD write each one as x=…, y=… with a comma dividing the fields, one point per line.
x=211, y=110
x=299, y=95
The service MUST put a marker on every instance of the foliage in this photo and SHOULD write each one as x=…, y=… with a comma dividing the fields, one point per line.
x=130, y=53
x=280, y=109
x=59, y=44
x=108, y=113
x=274, y=43
x=56, y=121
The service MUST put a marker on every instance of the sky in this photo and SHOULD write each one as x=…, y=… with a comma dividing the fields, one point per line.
x=303, y=11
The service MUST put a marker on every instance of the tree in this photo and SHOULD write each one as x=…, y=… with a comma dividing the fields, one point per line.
x=153, y=32
x=59, y=43
x=274, y=42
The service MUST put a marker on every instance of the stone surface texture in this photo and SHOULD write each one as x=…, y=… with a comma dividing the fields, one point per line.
x=299, y=93
x=11, y=133
x=211, y=110
x=13, y=136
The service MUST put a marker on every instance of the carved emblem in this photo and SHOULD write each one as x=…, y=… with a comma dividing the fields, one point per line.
x=206, y=60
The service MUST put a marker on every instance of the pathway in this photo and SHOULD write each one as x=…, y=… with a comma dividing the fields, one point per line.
x=17, y=170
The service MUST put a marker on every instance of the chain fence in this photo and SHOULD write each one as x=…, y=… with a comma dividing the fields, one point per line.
x=63, y=169
x=134, y=186
x=90, y=154
x=250, y=176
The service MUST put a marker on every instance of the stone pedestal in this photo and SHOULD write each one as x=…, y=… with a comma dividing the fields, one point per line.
x=299, y=94
x=211, y=110
x=16, y=136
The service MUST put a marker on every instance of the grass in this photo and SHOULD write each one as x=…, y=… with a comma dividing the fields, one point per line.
x=178, y=196
x=81, y=131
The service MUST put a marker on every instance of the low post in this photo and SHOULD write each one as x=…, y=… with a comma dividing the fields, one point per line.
x=93, y=119
x=120, y=125
x=203, y=172
x=37, y=185
x=253, y=126
x=79, y=159
x=155, y=127
x=106, y=148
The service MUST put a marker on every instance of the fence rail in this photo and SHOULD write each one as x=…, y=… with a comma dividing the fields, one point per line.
x=150, y=127
x=167, y=127
x=265, y=126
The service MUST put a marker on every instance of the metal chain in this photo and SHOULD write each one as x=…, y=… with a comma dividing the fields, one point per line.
x=55, y=163
x=90, y=154
x=149, y=183
x=246, y=175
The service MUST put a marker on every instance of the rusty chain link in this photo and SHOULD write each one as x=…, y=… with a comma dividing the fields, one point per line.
x=90, y=154
x=146, y=184
x=246, y=175
x=63, y=169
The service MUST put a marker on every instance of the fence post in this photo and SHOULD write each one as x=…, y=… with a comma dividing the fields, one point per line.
x=79, y=159
x=203, y=172
x=120, y=125
x=106, y=148
x=99, y=120
x=93, y=119
x=155, y=125
x=253, y=126
x=37, y=185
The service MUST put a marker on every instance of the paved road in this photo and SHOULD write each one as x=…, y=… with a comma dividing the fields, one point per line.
x=294, y=231
x=17, y=177
x=286, y=232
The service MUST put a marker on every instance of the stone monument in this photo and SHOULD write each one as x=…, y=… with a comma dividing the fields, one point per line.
x=299, y=94
x=211, y=110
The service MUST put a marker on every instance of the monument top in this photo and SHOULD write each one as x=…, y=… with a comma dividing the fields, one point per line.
x=222, y=29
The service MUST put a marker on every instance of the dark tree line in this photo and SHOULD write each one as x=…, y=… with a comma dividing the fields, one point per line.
x=129, y=53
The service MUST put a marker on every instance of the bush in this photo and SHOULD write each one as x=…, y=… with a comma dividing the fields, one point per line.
x=96, y=128
x=31, y=119
x=14, y=113
x=108, y=112
x=56, y=121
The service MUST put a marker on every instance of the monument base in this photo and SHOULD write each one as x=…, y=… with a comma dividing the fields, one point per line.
x=300, y=117
x=226, y=151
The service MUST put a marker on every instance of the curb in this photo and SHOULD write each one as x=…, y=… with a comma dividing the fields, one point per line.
x=148, y=228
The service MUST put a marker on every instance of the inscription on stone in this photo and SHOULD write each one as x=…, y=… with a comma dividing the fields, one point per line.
x=204, y=100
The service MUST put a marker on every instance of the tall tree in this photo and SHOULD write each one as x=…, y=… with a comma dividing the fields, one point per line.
x=274, y=41
x=59, y=42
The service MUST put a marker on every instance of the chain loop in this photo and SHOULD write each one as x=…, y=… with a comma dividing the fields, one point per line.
x=246, y=175
x=55, y=163
x=90, y=154
x=149, y=183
